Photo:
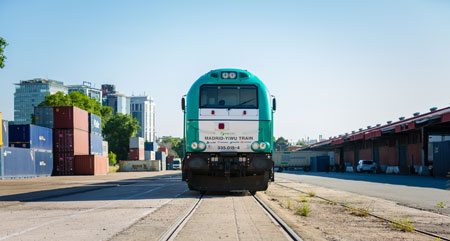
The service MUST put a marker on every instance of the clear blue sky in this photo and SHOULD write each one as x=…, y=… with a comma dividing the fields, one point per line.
x=334, y=66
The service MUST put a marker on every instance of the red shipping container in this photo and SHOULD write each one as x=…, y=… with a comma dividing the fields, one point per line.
x=137, y=154
x=63, y=164
x=70, y=117
x=71, y=141
x=169, y=159
x=163, y=149
x=91, y=165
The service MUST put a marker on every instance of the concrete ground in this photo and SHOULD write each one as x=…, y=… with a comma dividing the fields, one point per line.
x=420, y=192
x=125, y=206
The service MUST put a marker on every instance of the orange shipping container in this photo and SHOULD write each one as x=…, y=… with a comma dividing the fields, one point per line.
x=91, y=165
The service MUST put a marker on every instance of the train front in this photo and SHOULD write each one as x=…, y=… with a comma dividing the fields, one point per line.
x=228, y=132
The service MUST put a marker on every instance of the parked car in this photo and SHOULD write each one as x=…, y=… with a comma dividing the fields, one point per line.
x=176, y=164
x=366, y=166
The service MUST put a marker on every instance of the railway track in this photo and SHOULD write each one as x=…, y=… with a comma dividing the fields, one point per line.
x=436, y=236
x=172, y=232
x=288, y=231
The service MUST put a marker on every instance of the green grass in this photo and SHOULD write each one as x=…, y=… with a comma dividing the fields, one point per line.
x=311, y=194
x=403, y=224
x=303, y=199
x=304, y=210
x=288, y=203
x=360, y=212
x=441, y=205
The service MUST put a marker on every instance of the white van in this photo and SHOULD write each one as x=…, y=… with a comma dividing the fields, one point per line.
x=176, y=164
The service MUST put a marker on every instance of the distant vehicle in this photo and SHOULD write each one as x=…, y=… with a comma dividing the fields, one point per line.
x=176, y=164
x=366, y=166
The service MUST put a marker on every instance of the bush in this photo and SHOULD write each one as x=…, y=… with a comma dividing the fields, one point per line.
x=112, y=158
x=303, y=210
x=311, y=194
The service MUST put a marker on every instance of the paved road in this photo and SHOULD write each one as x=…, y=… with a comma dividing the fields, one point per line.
x=413, y=191
x=125, y=207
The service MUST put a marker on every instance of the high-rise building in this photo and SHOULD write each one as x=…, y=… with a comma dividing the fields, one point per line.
x=107, y=89
x=88, y=90
x=30, y=93
x=118, y=102
x=143, y=109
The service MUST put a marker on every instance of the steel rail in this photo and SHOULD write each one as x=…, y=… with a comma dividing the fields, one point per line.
x=374, y=215
x=172, y=232
x=289, y=231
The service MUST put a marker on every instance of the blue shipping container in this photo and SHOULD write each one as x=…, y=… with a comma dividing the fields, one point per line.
x=95, y=144
x=150, y=146
x=95, y=124
x=5, y=130
x=161, y=156
x=320, y=163
x=43, y=163
x=31, y=136
x=17, y=163
x=43, y=116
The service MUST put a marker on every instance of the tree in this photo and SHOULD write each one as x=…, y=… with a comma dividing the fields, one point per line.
x=112, y=158
x=301, y=143
x=281, y=144
x=118, y=131
x=179, y=148
x=3, y=45
x=174, y=145
x=81, y=101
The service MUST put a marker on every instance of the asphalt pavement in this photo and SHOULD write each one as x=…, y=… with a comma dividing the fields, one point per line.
x=421, y=192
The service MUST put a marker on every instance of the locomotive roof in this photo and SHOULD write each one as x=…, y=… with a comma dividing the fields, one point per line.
x=213, y=77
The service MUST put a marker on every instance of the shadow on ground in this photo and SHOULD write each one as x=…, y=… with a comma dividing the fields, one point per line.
x=413, y=181
x=165, y=186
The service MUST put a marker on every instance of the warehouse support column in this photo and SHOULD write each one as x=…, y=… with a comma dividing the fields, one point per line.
x=425, y=162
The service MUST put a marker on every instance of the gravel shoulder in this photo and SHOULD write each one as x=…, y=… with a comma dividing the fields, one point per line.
x=328, y=221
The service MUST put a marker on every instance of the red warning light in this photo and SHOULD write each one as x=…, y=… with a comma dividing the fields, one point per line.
x=221, y=126
x=213, y=112
x=244, y=112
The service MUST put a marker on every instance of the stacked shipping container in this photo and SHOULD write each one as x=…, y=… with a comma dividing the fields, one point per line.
x=71, y=137
x=150, y=155
x=3, y=132
x=95, y=135
x=39, y=141
x=43, y=116
x=150, y=146
x=161, y=157
x=137, y=148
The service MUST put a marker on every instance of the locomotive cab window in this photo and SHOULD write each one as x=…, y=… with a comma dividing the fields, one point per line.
x=229, y=96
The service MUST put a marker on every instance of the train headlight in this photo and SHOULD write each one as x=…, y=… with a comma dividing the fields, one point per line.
x=194, y=145
x=255, y=146
x=201, y=146
x=225, y=75
x=232, y=75
x=262, y=145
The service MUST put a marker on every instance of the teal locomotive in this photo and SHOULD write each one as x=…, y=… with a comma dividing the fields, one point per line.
x=228, y=132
